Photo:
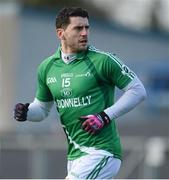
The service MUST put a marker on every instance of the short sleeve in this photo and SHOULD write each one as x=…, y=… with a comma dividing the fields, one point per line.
x=117, y=72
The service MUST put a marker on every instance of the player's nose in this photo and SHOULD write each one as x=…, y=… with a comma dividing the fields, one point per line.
x=84, y=31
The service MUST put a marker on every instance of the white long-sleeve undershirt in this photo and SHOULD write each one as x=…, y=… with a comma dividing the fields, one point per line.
x=133, y=94
x=38, y=110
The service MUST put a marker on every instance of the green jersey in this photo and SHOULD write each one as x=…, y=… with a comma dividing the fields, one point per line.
x=84, y=86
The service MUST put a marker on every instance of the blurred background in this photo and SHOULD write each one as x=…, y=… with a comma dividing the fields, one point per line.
x=137, y=31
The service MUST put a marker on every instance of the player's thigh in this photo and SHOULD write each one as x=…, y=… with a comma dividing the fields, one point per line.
x=111, y=169
x=93, y=167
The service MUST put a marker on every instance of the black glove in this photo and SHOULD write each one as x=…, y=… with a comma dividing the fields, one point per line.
x=20, y=111
x=94, y=123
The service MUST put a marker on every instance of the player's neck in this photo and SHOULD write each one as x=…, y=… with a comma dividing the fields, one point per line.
x=67, y=49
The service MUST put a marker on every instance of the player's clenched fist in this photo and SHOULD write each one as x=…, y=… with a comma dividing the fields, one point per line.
x=94, y=123
x=20, y=111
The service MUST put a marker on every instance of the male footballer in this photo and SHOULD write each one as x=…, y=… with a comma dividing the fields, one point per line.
x=81, y=80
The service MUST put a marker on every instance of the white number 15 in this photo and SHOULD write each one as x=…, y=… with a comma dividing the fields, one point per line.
x=65, y=82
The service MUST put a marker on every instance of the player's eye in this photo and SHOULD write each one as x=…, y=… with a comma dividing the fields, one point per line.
x=86, y=27
x=79, y=28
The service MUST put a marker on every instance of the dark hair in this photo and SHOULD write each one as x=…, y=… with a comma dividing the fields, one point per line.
x=63, y=17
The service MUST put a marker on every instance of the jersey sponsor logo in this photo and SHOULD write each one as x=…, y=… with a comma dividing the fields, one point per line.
x=126, y=71
x=73, y=102
x=66, y=75
x=88, y=74
x=66, y=92
x=51, y=80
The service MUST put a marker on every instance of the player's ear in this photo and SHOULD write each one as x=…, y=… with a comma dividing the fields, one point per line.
x=60, y=33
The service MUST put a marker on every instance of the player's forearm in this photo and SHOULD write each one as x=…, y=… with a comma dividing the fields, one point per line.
x=38, y=110
x=133, y=95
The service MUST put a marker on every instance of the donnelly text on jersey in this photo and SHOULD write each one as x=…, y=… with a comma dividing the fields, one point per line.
x=73, y=102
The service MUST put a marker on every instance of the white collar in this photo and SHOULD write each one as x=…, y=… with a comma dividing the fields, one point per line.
x=68, y=58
